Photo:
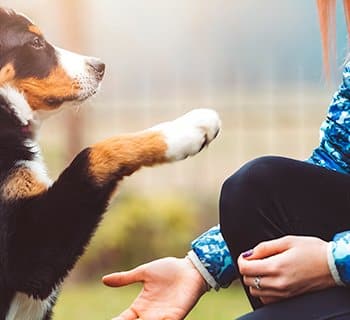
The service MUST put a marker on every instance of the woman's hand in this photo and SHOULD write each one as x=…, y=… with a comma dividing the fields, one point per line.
x=171, y=289
x=287, y=267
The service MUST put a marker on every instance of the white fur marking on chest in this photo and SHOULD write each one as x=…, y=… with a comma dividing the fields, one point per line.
x=37, y=165
x=24, y=307
x=18, y=104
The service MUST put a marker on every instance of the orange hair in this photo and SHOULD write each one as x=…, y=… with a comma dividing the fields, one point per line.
x=326, y=12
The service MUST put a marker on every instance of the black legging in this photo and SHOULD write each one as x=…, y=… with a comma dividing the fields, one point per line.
x=271, y=197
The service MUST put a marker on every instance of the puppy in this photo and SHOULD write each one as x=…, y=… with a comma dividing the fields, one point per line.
x=45, y=225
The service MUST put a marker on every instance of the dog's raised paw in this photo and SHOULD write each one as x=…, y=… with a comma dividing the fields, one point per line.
x=189, y=134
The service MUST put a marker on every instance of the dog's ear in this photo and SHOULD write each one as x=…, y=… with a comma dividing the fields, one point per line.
x=7, y=73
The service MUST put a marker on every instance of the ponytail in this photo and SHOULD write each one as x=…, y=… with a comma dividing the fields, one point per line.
x=326, y=13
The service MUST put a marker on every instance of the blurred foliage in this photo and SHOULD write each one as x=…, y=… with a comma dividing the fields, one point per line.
x=137, y=229
x=94, y=301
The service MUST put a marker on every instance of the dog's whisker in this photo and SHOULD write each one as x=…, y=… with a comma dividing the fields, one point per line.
x=77, y=108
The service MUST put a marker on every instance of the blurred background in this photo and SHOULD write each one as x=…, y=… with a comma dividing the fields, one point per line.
x=258, y=63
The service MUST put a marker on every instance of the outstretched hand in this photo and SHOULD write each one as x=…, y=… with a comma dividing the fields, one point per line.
x=287, y=267
x=171, y=288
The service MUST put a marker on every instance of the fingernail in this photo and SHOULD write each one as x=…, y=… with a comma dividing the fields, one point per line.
x=247, y=253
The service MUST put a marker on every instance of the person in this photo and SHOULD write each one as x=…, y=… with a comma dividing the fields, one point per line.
x=281, y=232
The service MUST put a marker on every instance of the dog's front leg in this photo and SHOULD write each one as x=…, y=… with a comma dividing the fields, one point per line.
x=117, y=157
x=50, y=230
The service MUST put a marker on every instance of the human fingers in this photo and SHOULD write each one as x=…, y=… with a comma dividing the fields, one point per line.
x=269, y=248
x=262, y=282
x=120, y=279
x=261, y=267
x=266, y=258
x=270, y=288
x=265, y=293
x=128, y=314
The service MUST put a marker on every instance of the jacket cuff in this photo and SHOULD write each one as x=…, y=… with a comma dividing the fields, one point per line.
x=213, y=254
x=203, y=271
x=331, y=264
x=340, y=249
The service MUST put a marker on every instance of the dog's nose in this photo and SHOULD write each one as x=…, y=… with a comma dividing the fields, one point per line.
x=98, y=67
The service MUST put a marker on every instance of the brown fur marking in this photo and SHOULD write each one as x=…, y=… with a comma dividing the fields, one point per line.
x=58, y=84
x=7, y=73
x=34, y=29
x=22, y=184
x=126, y=154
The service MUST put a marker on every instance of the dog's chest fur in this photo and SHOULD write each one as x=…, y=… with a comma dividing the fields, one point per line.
x=25, y=307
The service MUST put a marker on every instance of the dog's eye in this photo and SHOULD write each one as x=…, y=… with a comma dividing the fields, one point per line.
x=38, y=43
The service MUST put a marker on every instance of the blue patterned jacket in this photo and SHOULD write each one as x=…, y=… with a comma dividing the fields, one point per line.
x=209, y=251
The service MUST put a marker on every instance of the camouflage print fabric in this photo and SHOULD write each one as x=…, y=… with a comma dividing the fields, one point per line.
x=334, y=150
x=213, y=252
x=333, y=153
x=341, y=255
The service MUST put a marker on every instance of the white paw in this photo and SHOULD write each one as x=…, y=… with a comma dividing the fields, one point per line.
x=189, y=134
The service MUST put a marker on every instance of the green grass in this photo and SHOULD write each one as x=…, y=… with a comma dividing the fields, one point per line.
x=95, y=302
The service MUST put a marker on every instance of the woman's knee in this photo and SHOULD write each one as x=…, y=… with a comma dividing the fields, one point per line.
x=249, y=187
x=255, y=176
x=244, y=197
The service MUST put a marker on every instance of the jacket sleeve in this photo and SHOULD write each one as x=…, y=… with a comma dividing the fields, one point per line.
x=212, y=258
x=334, y=149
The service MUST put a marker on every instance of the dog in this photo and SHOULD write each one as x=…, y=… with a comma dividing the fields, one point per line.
x=45, y=225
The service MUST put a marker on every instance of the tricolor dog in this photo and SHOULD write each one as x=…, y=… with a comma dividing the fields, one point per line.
x=45, y=225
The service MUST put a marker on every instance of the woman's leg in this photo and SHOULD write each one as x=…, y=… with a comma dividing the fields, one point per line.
x=271, y=197
x=330, y=304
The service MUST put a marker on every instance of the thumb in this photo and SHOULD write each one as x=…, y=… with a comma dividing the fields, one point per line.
x=120, y=279
x=268, y=248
